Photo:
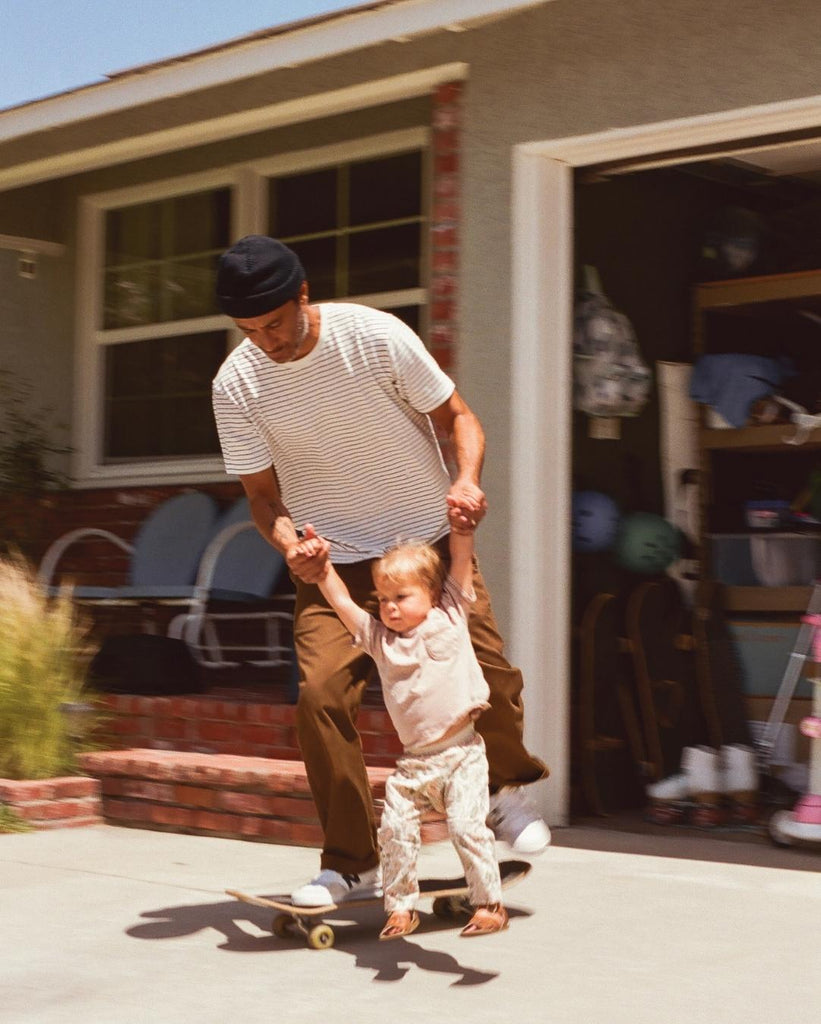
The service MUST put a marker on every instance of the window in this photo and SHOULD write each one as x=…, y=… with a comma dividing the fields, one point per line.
x=158, y=270
x=158, y=397
x=358, y=228
x=160, y=258
x=151, y=336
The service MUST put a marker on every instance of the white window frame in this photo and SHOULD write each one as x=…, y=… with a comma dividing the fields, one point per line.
x=249, y=214
x=541, y=414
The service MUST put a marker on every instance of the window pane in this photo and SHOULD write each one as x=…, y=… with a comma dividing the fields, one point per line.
x=384, y=259
x=386, y=189
x=318, y=257
x=198, y=223
x=158, y=396
x=161, y=258
x=131, y=296
x=132, y=233
x=303, y=204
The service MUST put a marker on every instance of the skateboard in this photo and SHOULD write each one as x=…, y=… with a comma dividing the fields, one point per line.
x=449, y=895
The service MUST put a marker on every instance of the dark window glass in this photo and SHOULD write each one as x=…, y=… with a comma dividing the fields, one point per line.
x=384, y=259
x=161, y=258
x=158, y=396
x=303, y=204
x=319, y=259
x=386, y=189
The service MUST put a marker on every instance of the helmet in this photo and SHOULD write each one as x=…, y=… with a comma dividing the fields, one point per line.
x=647, y=543
x=595, y=521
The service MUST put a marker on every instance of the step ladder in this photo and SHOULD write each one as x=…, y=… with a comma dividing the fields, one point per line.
x=765, y=744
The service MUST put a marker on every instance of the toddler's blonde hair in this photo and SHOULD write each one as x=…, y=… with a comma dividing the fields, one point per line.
x=412, y=560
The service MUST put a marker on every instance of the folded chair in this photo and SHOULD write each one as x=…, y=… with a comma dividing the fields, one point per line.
x=163, y=558
x=234, y=596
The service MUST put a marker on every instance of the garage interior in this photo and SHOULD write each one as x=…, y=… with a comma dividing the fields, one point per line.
x=664, y=240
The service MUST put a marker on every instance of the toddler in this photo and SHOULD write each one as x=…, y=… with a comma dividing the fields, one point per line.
x=434, y=690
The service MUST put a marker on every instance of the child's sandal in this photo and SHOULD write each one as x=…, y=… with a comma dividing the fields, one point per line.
x=399, y=923
x=486, y=921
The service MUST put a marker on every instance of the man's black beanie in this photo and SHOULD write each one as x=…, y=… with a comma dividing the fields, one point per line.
x=256, y=275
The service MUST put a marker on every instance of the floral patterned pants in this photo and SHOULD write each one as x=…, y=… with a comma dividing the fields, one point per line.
x=453, y=781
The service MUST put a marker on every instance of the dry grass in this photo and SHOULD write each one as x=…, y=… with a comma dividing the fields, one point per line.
x=44, y=654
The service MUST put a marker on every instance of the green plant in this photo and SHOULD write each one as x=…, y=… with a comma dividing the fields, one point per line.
x=44, y=653
x=10, y=820
x=25, y=445
x=27, y=472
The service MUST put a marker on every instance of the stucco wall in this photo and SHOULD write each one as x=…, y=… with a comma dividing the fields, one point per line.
x=573, y=68
x=35, y=340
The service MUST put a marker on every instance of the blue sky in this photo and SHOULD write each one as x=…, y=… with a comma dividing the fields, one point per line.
x=49, y=46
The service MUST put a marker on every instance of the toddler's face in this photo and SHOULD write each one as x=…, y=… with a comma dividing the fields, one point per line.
x=402, y=605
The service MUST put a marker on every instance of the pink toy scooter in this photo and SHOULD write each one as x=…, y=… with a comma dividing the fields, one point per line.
x=803, y=823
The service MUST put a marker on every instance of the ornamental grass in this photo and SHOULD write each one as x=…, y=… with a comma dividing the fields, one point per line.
x=45, y=649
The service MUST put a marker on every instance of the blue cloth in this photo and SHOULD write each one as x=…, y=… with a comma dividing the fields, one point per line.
x=731, y=382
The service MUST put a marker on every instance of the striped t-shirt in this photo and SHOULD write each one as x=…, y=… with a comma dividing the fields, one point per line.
x=345, y=429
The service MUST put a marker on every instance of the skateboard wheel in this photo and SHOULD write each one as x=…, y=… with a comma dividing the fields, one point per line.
x=321, y=937
x=443, y=908
x=448, y=907
x=282, y=925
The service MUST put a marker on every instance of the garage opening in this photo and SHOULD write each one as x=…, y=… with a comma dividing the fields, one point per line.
x=717, y=265
x=712, y=250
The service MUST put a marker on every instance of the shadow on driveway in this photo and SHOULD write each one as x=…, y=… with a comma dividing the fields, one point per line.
x=390, y=961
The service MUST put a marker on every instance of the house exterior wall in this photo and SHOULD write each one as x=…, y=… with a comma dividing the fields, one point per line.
x=568, y=68
x=36, y=322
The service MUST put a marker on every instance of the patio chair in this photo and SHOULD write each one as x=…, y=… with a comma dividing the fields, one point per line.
x=238, y=571
x=163, y=558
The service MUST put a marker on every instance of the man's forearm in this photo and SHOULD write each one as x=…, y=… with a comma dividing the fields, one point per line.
x=274, y=523
x=468, y=440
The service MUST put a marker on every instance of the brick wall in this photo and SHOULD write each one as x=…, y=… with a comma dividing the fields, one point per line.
x=54, y=803
x=236, y=727
x=444, y=234
x=444, y=230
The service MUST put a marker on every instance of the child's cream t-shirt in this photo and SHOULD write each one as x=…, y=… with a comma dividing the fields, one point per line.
x=430, y=675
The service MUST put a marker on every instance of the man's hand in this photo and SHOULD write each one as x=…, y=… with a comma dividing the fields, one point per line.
x=467, y=506
x=308, y=558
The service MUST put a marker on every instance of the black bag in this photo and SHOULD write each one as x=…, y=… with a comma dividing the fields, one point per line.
x=143, y=663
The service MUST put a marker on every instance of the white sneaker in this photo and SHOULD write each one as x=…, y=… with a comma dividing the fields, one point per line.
x=332, y=887
x=674, y=787
x=514, y=820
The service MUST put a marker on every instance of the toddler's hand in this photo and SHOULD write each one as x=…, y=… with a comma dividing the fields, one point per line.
x=308, y=558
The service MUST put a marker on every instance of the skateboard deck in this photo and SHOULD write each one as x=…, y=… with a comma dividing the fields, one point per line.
x=449, y=897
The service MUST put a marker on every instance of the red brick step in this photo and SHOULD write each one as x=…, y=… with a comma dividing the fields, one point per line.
x=227, y=795
x=65, y=802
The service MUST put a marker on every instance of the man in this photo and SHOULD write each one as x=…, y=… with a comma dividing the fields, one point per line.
x=327, y=414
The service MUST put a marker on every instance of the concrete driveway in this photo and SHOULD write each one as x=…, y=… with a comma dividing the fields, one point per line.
x=107, y=925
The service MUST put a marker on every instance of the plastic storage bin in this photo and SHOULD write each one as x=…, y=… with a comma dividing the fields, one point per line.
x=731, y=559
x=766, y=559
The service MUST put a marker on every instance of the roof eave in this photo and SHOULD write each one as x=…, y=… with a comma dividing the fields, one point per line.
x=366, y=25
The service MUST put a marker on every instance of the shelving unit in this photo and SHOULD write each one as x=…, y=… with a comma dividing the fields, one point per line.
x=754, y=297
x=766, y=438
x=763, y=311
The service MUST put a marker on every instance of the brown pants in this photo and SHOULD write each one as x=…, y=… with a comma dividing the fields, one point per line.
x=333, y=677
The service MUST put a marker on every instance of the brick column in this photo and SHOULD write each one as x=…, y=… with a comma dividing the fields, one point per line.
x=444, y=234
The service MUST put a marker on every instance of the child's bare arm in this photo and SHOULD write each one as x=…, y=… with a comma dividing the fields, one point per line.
x=338, y=597
x=331, y=584
x=461, y=559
